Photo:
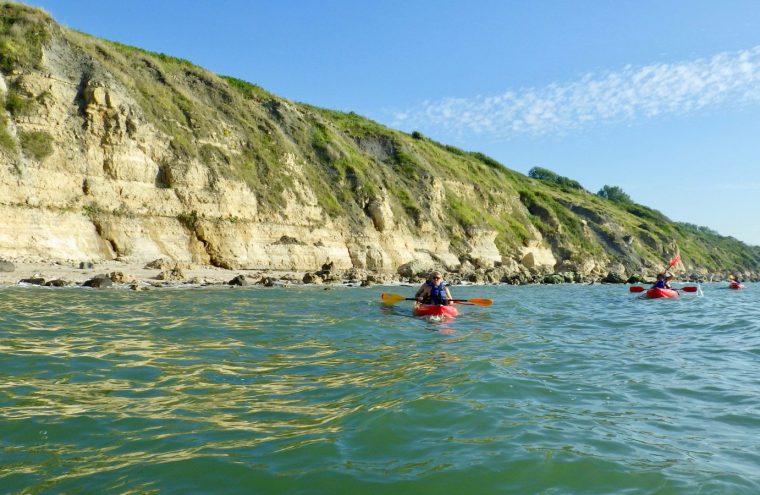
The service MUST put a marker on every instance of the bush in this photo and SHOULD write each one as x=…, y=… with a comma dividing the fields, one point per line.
x=6, y=140
x=17, y=104
x=189, y=220
x=488, y=160
x=614, y=194
x=37, y=144
x=546, y=175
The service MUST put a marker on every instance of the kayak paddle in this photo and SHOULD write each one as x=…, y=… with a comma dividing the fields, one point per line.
x=673, y=262
x=394, y=298
x=638, y=288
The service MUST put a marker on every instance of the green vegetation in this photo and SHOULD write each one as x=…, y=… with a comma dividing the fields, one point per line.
x=614, y=194
x=23, y=31
x=6, y=140
x=248, y=90
x=37, y=144
x=17, y=104
x=92, y=210
x=489, y=161
x=547, y=175
x=189, y=220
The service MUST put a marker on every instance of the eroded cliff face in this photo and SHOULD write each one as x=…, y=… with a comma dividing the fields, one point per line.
x=113, y=186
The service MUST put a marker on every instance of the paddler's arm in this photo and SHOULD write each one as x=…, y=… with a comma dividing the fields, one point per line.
x=420, y=292
x=448, y=296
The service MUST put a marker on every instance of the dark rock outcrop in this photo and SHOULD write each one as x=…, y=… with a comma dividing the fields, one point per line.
x=239, y=280
x=98, y=282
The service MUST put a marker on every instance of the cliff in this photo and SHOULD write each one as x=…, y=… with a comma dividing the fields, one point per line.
x=111, y=152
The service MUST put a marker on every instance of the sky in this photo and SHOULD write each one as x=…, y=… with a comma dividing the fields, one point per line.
x=658, y=97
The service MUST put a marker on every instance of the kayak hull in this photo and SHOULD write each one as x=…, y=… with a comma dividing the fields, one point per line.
x=734, y=285
x=655, y=293
x=435, y=310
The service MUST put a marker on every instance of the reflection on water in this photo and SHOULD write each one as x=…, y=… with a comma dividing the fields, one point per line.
x=297, y=389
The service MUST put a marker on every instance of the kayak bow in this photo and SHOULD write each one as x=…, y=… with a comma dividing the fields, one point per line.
x=435, y=310
x=655, y=293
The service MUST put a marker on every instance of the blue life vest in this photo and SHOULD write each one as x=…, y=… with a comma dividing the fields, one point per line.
x=437, y=293
x=660, y=284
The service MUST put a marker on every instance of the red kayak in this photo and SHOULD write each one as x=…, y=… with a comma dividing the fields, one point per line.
x=435, y=310
x=735, y=285
x=655, y=293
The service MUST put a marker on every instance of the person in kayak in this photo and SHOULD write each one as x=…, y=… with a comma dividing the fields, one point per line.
x=434, y=291
x=663, y=281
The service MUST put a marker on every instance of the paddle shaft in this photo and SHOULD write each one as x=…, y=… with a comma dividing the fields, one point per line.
x=394, y=298
x=453, y=300
x=637, y=288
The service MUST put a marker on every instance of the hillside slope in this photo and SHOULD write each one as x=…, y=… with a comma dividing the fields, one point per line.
x=108, y=151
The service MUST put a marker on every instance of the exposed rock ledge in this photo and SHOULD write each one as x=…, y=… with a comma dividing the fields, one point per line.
x=169, y=273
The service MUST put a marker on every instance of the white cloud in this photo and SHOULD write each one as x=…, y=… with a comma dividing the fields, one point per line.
x=629, y=94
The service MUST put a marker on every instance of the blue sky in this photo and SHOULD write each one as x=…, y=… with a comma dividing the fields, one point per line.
x=661, y=98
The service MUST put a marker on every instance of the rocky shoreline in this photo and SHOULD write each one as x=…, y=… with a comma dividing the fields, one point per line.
x=162, y=273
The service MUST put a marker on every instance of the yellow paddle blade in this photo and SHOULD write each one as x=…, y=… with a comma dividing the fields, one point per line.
x=391, y=298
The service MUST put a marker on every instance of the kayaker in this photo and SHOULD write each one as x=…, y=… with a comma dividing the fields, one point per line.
x=434, y=291
x=663, y=281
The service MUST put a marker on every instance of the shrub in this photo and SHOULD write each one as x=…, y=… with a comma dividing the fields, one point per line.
x=37, y=144
x=6, y=140
x=546, y=175
x=614, y=194
x=189, y=220
x=487, y=160
x=17, y=104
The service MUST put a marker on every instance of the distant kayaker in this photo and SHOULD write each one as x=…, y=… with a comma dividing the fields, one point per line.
x=434, y=291
x=663, y=281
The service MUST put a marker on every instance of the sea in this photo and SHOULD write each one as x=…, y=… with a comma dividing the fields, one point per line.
x=567, y=389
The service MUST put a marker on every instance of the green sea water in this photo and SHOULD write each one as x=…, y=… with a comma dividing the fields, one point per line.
x=552, y=390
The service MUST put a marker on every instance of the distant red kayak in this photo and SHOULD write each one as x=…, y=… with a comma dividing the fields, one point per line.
x=435, y=310
x=655, y=293
x=735, y=285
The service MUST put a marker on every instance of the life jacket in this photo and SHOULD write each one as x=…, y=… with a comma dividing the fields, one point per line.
x=660, y=284
x=437, y=293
